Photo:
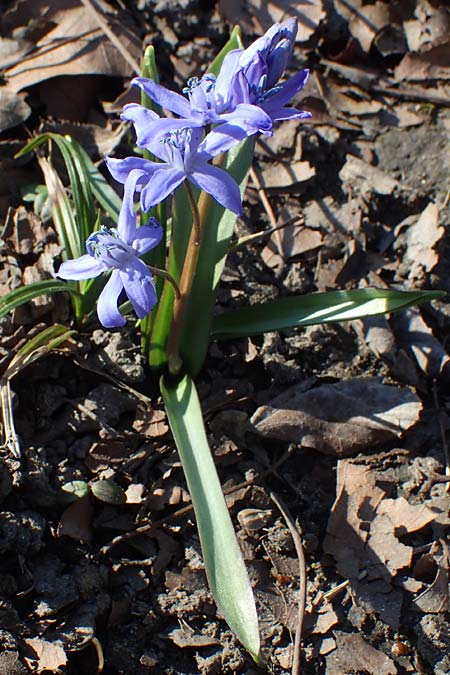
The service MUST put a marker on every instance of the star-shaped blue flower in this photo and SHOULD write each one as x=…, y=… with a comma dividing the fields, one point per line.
x=119, y=250
x=184, y=156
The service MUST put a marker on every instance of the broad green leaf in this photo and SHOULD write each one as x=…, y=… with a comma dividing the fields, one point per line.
x=23, y=294
x=218, y=229
x=313, y=309
x=225, y=568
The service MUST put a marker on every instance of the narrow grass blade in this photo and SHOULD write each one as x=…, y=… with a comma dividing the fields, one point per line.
x=23, y=294
x=224, y=564
x=317, y=308
x=36, y=346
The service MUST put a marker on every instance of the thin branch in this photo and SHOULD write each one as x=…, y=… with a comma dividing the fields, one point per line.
x=293, y=529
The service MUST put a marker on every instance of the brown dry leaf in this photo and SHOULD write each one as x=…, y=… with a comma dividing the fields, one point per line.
x=75, y=45
x=150, y=423
x=323, y=617
x=76, y=521
x=13, y=109
x=365, y=177
x=283, y=175
x=364, y=20
x=48, y=655
x=353, y=655
x=367, y=523
x=431, y=65
x=430, y=27
x=261, y=14
x=436, y=598
x=416, y=336
x=185, y=637
x=288, y=243
x=12, y=50
x=339, y=419
x=421, y=238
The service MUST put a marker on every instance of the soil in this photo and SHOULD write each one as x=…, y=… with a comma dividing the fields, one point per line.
x=101, y=562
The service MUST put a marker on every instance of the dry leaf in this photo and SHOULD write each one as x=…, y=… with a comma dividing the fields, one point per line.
x=421, y=239
x=185, y=637
x=354, y=655
x=290, y=242
x=13, y=109
x=417, y=337
x=339, y=419
x=366, y=177
x=261, y=14
x=364, y=20
x=283, y=175
x=76, y=521
x=74, y=46
x=49, y=655
x=13, y=50
x=430, y=28
x=431, y=65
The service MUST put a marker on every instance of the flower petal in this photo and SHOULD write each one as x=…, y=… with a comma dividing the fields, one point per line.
x=281, y=114
x=219, y=184
x=139, y=287
x=286, y=91
x=250, y=117
x=149, y=131
x=120, y=168
x=147, y=236
x=221, y=139
x=167, y=99
x=161, y=184
x=126, y=225
x=107, y=304
x=84, y=267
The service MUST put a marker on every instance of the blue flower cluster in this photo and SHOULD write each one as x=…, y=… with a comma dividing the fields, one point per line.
x=246, y=98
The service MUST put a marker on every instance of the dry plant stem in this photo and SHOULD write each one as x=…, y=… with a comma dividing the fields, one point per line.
x=92, y=7
x=268, y=208
x=293, y=529
x=442, y=427
x=11, y=439
x=186, y=279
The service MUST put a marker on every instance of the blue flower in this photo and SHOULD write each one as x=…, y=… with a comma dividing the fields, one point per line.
x=184, y=156
x=257, y=70
x=119, y=250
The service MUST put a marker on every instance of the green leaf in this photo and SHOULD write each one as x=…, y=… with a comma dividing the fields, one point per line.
x=225, y=568
x=218, y=229
x=36, y=346
x=234, y=42
x=313, y=309
x=23, y=294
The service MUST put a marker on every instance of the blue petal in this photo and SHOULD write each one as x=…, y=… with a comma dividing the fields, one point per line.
x=149, y=132
x=147, y=236
x=107, y=304
x=219, y=184
x=250, y=117
x=126, y=226
x=161, y=184
x=84, y=267
x=281, y=114
x=139, y=287
x=167, y=99
x=286, y=91
x=120, y=168
x=221, y=139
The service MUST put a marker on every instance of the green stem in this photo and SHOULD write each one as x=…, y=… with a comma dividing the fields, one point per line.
x=186, y=279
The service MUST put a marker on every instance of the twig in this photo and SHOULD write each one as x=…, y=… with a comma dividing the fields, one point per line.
x=11, y=439
x=441, y=420
x=268, y=208
x=293, y=529
x=129, y=58
x=256, y=236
